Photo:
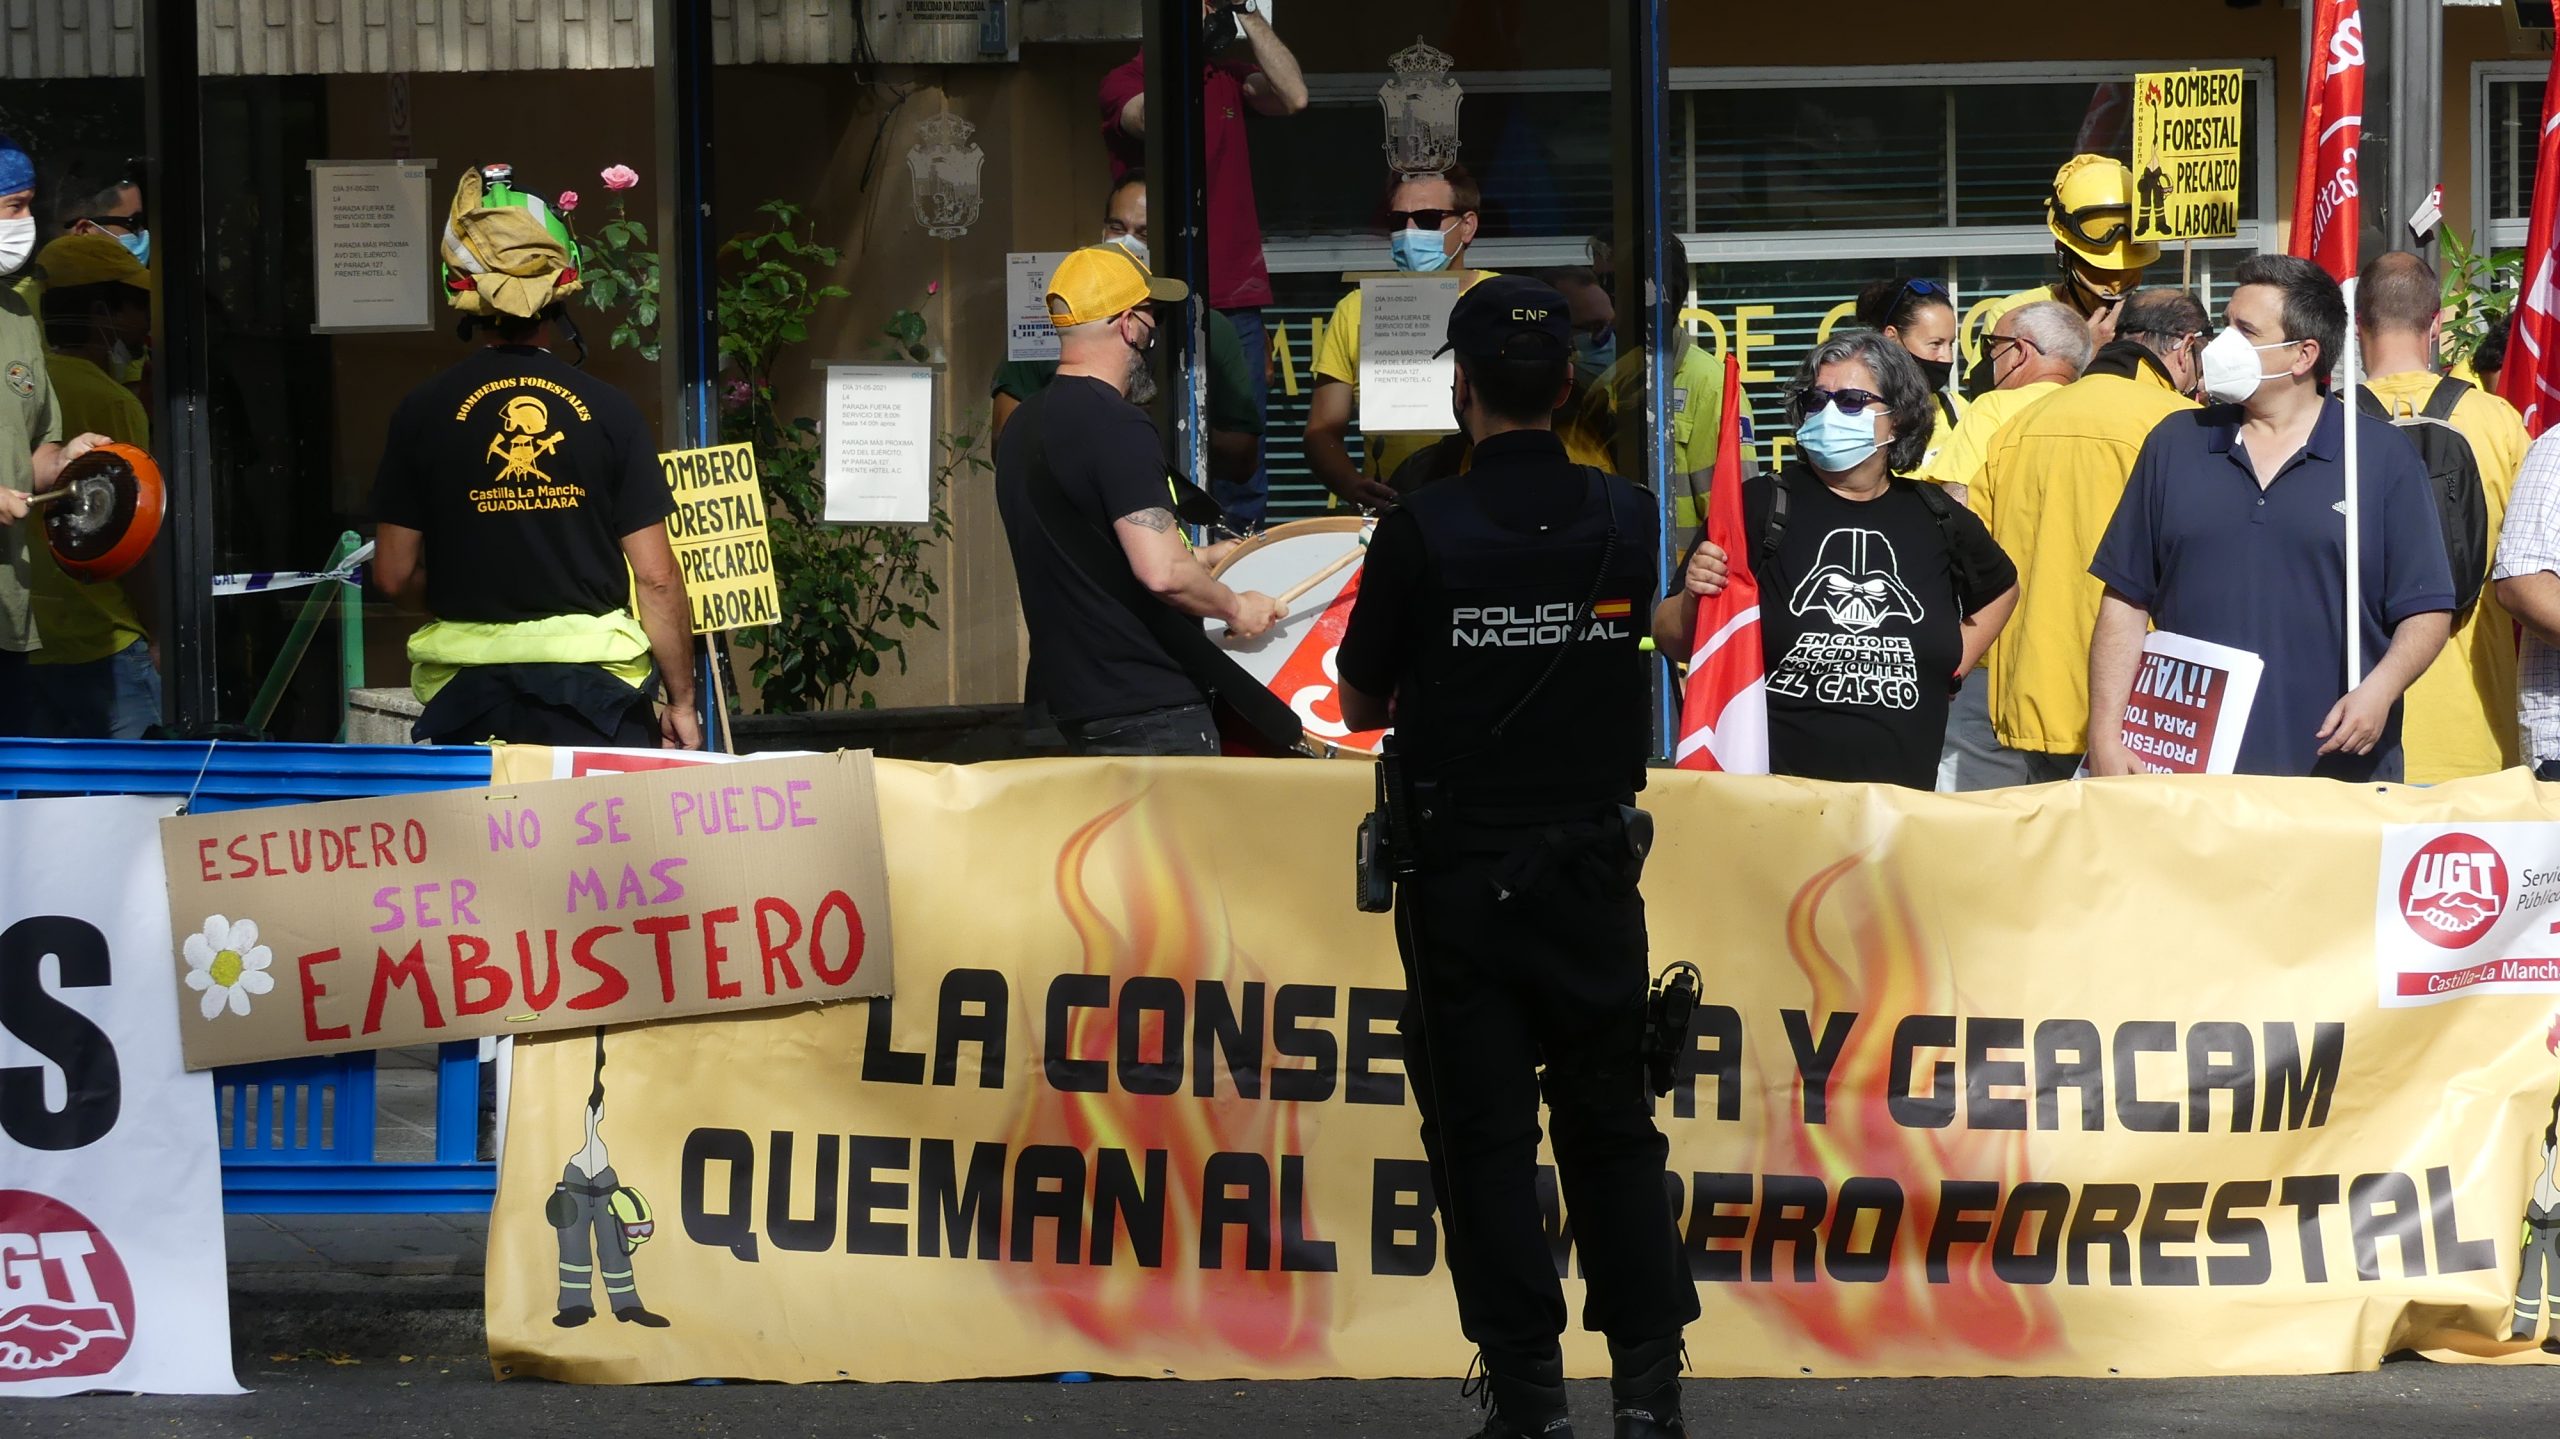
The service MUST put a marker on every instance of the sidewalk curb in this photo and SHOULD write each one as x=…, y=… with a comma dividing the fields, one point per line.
x=359, y=1316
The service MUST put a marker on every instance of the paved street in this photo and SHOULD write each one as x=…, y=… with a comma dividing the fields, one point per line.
x=440, y=1396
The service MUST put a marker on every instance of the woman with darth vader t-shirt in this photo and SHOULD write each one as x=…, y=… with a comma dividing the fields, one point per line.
x=1877, y=593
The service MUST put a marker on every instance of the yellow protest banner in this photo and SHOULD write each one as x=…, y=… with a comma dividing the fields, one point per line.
x=719, y=537
x=2187, y=139
x=408, y=919
x=2142, y=1077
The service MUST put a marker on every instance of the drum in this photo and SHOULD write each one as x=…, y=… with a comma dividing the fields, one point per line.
x=1294, y=659
x=102, y=519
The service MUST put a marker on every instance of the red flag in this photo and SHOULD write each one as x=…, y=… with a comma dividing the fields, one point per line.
x=1724, y=714
x=2531, y=380
x=2326, y=213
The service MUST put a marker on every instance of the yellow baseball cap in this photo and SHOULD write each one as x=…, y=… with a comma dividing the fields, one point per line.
x=76, y=260
x=1100, y=281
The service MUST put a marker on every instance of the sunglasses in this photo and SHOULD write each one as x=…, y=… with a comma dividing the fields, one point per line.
x=1925, y=289
x=1994, y=342
x=1850, y=402
x=132, y=224
x=1420, y=219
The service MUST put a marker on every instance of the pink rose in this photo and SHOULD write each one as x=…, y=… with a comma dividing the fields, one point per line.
x=933, y=287
x=620, y=177
x=567, y=202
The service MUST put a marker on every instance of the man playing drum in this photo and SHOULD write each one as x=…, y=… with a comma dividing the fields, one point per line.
x=1107, y=581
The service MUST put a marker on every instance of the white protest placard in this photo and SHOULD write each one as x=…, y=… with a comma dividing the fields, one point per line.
x=2190, y=705
x=111, y=1243
x=879, y=444
x=1402, y=388
x=1029, y=335
x=373, y=251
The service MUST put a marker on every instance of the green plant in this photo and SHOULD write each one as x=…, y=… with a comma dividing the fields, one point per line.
x=2477, y=290
x=621, y=271
x=850, y=593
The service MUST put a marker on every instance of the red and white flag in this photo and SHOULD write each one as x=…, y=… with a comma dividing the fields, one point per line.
x=2531, y=380
x=1724, y=714
x=2326, y=212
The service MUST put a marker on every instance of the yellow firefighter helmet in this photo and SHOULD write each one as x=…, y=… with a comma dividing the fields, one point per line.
x=631, y=1211
x=2091, y=214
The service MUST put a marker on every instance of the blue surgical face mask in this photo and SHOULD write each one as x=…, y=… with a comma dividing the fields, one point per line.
x=139, y=245
x=1838, y=443
x=1593, y=355
x=1419, y=250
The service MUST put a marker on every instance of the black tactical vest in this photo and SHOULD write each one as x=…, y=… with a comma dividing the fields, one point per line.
x=1501, y=605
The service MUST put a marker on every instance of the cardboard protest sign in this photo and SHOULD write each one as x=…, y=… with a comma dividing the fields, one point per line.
x=719, y=537
x=2187, y=132
x=450, y=915
x=2190, y=705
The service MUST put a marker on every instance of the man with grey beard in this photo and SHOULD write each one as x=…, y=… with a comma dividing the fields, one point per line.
x=1081, y=484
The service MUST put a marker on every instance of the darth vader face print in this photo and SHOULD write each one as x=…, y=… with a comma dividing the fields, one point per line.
x=1857, y=582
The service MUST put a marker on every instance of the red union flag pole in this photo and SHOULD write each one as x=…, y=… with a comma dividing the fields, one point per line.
x=1724, y=714
x=2326, y=213
x=2531, y=381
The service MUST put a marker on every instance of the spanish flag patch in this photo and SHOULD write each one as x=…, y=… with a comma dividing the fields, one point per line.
x=1612, y=609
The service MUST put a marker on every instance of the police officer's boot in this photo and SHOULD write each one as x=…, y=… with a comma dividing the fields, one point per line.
x=1644, y=1388
x=1526, y=1399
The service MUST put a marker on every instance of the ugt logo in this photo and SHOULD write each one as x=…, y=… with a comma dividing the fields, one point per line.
x=2453, y=890
x=66, y=1304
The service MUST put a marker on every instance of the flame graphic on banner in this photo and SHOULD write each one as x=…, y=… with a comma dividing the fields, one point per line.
x=1166, y=923
x=1884, y=977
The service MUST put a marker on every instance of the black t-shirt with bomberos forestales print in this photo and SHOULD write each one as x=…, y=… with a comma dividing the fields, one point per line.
x=524, y=475
x=1861, y=628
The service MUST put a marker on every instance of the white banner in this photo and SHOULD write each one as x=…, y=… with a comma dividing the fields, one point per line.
x=111, y=1246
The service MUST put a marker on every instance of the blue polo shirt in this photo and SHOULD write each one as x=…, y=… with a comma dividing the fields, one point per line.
x=2197, y=543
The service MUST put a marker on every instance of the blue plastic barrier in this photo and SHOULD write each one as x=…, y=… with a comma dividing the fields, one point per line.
x=297, y=1134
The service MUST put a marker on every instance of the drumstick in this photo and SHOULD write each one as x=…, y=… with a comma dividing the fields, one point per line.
x=1294, y=593
x=48, y=497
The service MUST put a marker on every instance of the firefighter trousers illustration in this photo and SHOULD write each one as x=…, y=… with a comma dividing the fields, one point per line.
x=595, y=1243
x=2538, y=1279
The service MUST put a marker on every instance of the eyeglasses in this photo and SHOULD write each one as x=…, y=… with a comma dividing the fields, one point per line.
x=132, y=224
x=1850, y=402
x=1994, y=342
x=1420, y=219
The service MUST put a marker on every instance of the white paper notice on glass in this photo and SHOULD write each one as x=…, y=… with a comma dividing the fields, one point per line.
x=879, y=444
x=1403, y=390
x=2190, y=705
x=1026, y=300
x=373, y=252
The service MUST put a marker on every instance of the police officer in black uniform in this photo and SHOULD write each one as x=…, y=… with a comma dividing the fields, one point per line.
x=1498, y=623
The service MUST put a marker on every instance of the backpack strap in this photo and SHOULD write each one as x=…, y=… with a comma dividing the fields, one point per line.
x=2369, y=403
x=1773, y=525
x=2448, y=395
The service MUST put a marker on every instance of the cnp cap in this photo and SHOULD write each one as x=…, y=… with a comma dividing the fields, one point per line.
x=1100, y=281
x=1510, y=317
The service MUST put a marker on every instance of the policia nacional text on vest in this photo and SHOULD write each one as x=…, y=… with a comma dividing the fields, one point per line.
x=1503, y=612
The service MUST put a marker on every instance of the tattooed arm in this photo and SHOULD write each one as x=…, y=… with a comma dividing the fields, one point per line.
x=1166, y=566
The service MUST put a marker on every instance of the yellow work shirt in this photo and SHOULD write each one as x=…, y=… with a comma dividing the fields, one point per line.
x=2047, y=491
x=1338, y=358
x=1697, y=417
x=1958, y=461
x=82, y=623
x=2460, y=717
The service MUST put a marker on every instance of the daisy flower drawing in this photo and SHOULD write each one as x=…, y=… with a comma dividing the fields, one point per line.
x=227, y=964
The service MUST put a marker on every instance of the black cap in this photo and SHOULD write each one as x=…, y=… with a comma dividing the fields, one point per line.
x=1510, y=317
